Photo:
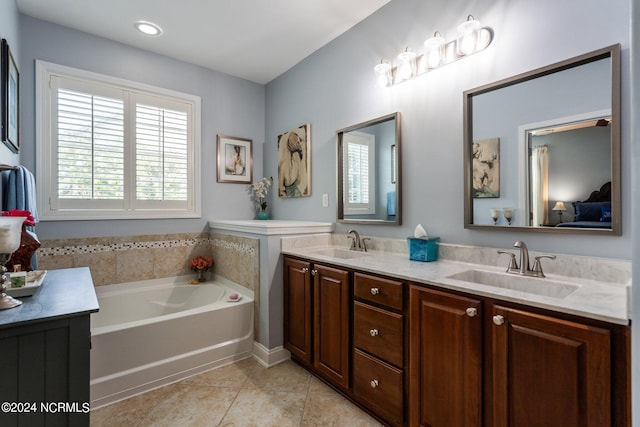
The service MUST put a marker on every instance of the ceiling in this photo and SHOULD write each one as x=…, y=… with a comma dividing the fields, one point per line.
x=257, y=40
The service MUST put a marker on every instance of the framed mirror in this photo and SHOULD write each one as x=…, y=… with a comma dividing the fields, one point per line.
x=369, y=172
x=542, y=149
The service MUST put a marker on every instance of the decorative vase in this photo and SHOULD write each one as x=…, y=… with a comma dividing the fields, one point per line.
x=202, y=275
x=263, y=215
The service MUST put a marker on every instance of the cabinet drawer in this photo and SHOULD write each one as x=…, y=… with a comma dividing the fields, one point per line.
x=378, y=290
x=378, y=332
x=379, y=386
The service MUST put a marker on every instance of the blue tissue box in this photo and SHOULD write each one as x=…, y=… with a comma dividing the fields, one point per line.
x=423, y=249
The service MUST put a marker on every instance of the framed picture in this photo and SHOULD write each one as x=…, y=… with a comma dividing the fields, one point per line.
x=10, y=89
x=294, y=163
x=486, y=168
x=235, y=160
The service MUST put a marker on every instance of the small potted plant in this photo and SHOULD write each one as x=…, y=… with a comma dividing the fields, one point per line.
x=259, y=191
x=201, y=264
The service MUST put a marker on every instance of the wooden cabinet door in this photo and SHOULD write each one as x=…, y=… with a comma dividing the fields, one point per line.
x=331, y=324
x=549, y=372
x=445, y=359
x=297, y=308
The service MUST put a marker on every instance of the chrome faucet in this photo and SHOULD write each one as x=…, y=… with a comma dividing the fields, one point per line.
x=357, y=244
x=523, y=267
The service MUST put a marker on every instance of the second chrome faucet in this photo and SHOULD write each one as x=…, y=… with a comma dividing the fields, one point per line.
x=523, y=267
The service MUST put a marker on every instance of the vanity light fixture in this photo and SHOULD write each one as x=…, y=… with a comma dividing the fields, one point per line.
x=383, y=73
x=406, y=65
x=468, y=36
x=148, y=28
x=471, y=38
x=434, y=51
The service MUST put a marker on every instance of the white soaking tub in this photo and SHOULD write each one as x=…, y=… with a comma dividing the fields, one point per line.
x=150, y=333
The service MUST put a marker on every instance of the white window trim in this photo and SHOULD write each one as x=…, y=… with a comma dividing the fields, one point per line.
x=44, y=180
x=361, y=208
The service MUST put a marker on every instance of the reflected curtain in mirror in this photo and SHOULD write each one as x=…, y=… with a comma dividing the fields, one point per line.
x=540, y=185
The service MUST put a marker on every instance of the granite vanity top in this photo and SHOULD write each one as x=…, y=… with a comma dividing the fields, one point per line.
x=601, y=300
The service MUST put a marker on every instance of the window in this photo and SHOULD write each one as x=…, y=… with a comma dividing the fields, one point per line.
x=359, y=150
x=109, y=148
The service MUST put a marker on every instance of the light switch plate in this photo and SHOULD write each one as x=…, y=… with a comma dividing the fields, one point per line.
x=325, y=200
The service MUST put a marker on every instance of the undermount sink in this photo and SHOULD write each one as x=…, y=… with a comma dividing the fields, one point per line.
x=339, y=253
x=514, y=282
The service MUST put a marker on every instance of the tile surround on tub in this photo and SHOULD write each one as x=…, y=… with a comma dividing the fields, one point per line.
x=124, y=259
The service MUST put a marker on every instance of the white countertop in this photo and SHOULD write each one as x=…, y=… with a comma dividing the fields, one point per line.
x=272, y=227
x=593, y=299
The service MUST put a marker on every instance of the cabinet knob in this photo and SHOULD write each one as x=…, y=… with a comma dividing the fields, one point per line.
x=374, y=383
x=305, y=270
x=472, y=312
x=314, y=272
x=373, y=332
x=498, y=319
x=375, y=291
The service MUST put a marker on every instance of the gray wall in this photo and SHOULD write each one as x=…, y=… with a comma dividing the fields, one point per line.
x=230, y=106
x=335, y=87
x=9, y=30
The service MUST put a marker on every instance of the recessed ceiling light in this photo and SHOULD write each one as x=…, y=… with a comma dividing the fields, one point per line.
x=148, y=28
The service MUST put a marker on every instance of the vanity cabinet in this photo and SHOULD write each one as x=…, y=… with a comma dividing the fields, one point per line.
x=445, y=359
x=420, y=355
x=476, y=361
x=548, y=371
x=378, y=341
x=316, y=304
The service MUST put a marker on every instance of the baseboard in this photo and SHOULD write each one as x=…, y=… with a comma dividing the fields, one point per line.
x=269, y=357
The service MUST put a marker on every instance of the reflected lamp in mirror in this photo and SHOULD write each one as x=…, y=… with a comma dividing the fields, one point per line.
x=559, y=206
x=369, y=172
x=561, y=143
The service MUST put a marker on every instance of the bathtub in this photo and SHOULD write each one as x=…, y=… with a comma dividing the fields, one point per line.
x=151, y=333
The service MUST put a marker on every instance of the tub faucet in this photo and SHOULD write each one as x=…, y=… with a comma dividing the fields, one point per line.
x=356, y=242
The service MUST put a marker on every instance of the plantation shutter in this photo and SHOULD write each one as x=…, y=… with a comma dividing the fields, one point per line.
x=359, y=151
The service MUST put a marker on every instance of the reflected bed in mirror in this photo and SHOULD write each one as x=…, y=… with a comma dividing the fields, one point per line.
x=369, y=172
x=537, y=146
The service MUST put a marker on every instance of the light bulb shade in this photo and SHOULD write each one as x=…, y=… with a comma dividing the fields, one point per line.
x=559, y=206
x=468, y=40
x=10, y=233
x=383, y=74
x=406, y=65
x=434, y=51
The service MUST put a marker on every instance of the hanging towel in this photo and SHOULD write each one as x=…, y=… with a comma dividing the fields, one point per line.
x=20, y=191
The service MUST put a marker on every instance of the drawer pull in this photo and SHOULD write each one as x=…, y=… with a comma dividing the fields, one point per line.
x=373, y=332
x=498, y=320
x=472, y=312
x=374, y=383
x=375, y=291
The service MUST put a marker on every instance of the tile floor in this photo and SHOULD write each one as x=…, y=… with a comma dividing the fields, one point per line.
x=241, y=394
